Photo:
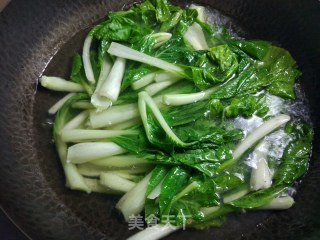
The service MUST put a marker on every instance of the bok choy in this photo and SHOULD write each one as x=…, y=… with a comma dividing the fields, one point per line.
x=174, y=113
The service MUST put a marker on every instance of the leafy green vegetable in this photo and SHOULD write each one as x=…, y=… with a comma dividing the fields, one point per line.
x=176, y=178
x=205, y=160
x=247, y=106
x=198, y=161
x=157, y=176
x=77, y=74
x=66, y=113
x=295, y=159
x=258, y=198
x=257, y=49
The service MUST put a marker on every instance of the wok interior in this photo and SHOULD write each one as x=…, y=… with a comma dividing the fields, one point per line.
x=35, y=196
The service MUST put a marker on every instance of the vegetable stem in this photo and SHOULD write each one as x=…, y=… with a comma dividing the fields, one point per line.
x=85, y=152
x=76, y=121
x=154, y=88
x=260, y=175
x=145, y=99
x=95, y=186
x=113, y=115
x=86, y=59
x=120, y=50
x=59, y=104
x=120, y=161
x=280, y=203
x=195, y=36
x=263, y=130
x=155, y=232
x=116, y=182
x=76, y=135
x=144, y=81
x=132, y=202
x=98, y=101
x=60, y=84
x=161, y=38
x=187, y=98
x=111, y=87
x=91, y=170
x=165, y=76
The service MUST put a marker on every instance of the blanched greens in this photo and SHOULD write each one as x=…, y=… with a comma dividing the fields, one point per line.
x=158, y=96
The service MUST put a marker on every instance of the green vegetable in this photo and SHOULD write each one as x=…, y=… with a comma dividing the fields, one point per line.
x=174, y=112
x=295, y=159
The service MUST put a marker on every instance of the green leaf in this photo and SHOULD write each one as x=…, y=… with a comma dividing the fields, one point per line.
x=135, y=144
x=158, y=174
x=77, y=74
x=162, y=10
x=175, y=180
x=295, y=160
x=205, y=160
x=246, y=106
x=258, y=198
x=207, y=131
x=281, y=72
x=151, y=210
x=172, y=21
x=133, y=73
x=256, y=49
x=227, y=181
x=185, y=114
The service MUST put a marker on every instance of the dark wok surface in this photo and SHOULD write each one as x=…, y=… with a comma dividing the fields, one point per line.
x=38, y=32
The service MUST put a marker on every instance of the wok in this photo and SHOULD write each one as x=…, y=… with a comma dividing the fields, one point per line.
x=42, y=35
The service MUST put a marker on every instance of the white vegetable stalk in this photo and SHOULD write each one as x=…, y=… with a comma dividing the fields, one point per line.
x=260, y=175
x=156, y=191
x=111, y=87
x=119, y=116
x=113, y=115
x=86, y=59
x=145, y=99
x=186, y=190
x=116, y=182
x=85, y=152
x=233, y=196
x=120, y=50
x=74, y=180
x=200, y=10
x=155, y=232
x=144, y=81
x=187, y=98
x=76, y=121
x=60, y=84
x=126, y=124
x=195, y=36
x=132, y=202
x=208, y=210
x=54, y=109
x=120, y=161
x=154, y=88
x=91, y=170
x=280, y=203
x=76, y=135
x=263, y=130
x=100, y=102
x=95, y=186
x=161, y=38
x=165, y=76
x=126, y=175
x=82, y=105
